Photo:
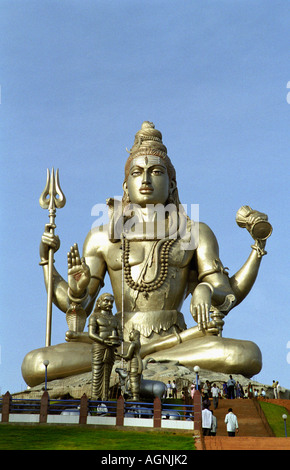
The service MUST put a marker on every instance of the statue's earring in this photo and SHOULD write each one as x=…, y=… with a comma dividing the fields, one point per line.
x=126, y=199
x=171, y=192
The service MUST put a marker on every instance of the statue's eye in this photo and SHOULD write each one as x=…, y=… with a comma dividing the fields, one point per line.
x=157, y=171
x=136, y=173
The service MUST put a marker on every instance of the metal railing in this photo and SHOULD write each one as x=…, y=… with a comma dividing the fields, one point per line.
x=177, y=411
x=63, y=406
x=102, y=408
x=97, y=408
x=138, y=410
x=20, y=405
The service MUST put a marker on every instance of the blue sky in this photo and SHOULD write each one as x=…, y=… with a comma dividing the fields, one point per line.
x=77, y=80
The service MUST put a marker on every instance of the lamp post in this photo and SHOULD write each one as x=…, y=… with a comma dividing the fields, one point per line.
x=285, y=417
x=45, y=363
x=196, y=370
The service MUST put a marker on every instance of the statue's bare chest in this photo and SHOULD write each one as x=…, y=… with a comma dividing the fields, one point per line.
x=149, y=252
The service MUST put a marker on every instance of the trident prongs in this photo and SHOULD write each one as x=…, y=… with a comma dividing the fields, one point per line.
x=52, y=198
x=48, y=198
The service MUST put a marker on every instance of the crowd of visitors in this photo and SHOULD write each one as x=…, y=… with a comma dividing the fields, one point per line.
x=231, y=389
x=211, y=394
x=171, y=389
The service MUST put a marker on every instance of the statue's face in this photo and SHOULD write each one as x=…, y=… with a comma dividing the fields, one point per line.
x=148, y=181
x=134, y=335
x=107, y=303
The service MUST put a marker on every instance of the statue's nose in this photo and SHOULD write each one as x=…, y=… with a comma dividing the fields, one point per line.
x=146, y=177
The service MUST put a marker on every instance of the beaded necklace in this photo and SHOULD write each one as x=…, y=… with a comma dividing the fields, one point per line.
x=144, y=286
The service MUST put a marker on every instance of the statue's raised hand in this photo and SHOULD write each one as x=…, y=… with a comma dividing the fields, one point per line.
x=78, y=272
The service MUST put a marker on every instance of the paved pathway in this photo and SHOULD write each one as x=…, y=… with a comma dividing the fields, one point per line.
x=247, y=443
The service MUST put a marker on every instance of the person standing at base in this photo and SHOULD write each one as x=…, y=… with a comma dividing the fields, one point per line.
x=206, y=421
x=278, y=389
x=215, y=396
x=214, y=425
x=168, y=389
x=231, y=387
x=174, y=389
x=232, y=423
x=274, y=386
x=250, y=390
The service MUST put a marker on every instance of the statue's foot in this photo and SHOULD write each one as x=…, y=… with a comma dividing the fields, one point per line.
x=231, y=356
x=65, y=359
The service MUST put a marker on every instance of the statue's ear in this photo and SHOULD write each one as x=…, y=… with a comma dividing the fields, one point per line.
x=172, y=186
x=126, y=198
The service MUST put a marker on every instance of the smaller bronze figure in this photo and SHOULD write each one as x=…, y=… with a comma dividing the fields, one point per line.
x=105, y=333
x=135, y=364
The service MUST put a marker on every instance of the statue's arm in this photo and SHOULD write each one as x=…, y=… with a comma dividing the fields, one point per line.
x=209, y=266
x=130, y=352
x=260, y=229
x=93, y=332
x=243, y=280
x=59, y=288
x=213, y=284
x=50, y=241
x=94, y=260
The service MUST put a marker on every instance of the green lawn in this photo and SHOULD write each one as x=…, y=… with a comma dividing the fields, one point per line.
x=60, y=437
x=274, y=414
x=52, y=437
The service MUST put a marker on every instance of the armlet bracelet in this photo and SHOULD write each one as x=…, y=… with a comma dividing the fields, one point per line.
x=206, y=284
x=77, y=300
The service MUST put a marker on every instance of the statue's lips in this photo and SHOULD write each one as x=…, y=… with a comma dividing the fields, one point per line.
x=146, y=190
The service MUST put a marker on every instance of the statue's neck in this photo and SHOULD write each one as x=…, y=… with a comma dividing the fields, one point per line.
x=148, y=226
x=150, y=216
x=143, y=223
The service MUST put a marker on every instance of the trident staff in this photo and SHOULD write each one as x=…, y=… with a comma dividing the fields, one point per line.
x=52, y=198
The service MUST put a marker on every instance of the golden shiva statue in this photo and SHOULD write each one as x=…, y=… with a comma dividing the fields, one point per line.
x=155, y=258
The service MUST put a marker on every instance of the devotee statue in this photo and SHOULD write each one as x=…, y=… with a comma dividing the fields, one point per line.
x=105, y=333
x=155, y=257
x=135, y=365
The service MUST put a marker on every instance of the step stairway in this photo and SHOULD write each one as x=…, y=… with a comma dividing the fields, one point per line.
x=246, y=443
x=254, y=432
x=249, y=420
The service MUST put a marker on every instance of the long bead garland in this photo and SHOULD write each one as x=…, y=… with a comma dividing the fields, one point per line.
x=143, y=286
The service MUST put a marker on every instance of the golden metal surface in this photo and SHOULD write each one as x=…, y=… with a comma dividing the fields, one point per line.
x=151, y=275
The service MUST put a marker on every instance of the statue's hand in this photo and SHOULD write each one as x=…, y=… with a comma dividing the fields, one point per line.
x=48, y=240
x=78, y=272
x=200, y=305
